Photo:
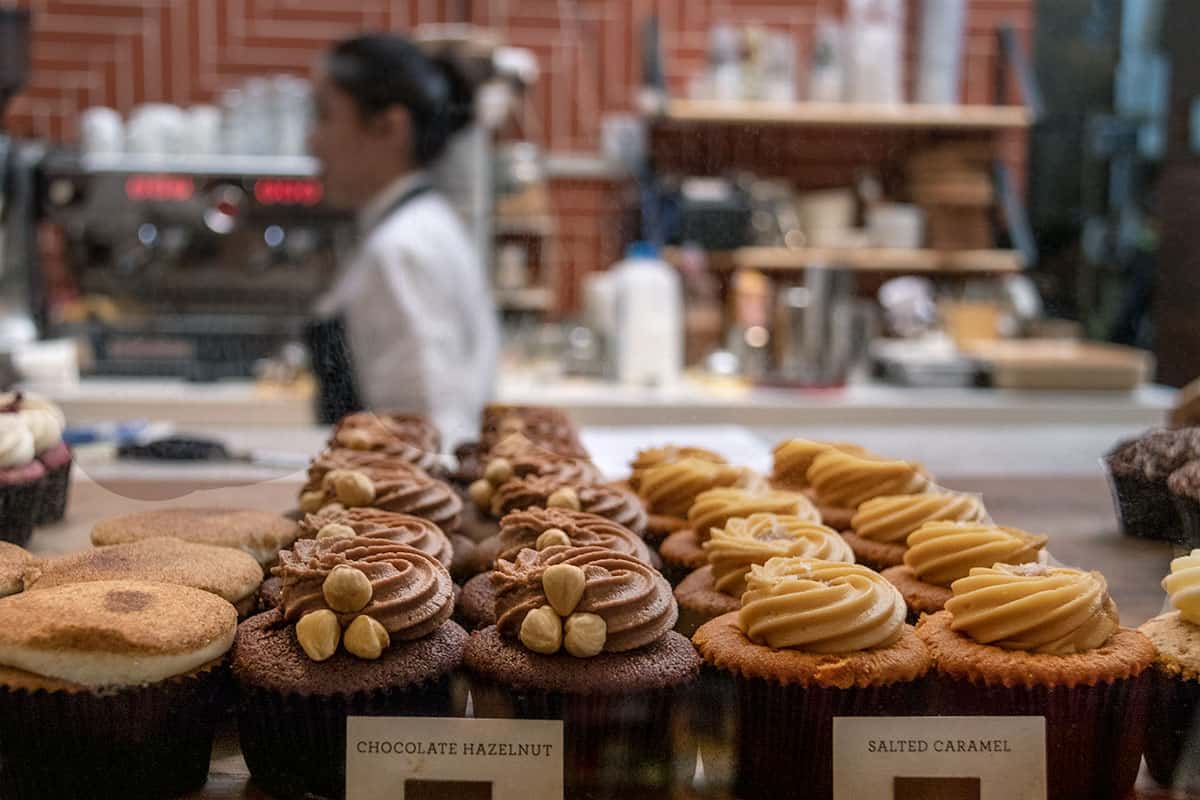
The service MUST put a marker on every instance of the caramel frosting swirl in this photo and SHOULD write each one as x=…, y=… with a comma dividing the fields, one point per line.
x=412, y=594
x=1034, y=608
x=521, y=529
x=632, y=598
x=620, y=506
x=756, y=539
x=376, y=523
x=845, y=480
x=712, y=509
x=669, y=489
x=1183, y=586
x=892, y=518
x=943, y=552
x=820, y=606
x=793, y=457
x=528, y=458
x=667, y=454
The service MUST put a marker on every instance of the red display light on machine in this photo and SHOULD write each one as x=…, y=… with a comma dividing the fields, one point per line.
x=288, y=191
x=159, y=187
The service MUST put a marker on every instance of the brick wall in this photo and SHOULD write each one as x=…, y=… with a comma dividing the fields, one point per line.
x=123, y=52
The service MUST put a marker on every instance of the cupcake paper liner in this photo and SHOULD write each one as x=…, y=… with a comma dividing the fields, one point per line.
x=19, y=504
x=1144, y=507
x=627, y=745
x=1173, y=736
x=143, y=742
x=53, y=505
x=785, y=732
x=295, y=744
x=1189, y=521
x=1094, y=734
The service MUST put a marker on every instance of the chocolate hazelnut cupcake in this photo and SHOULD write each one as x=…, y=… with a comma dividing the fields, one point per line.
x=813, y=640
x=14, y=562
x=669, y=489
x=583, y=634
x=682, y=552
x=1138, y=470
x=842, y=481
x=667, y=454
x=793, y=457
x=939, y=553
x=537, y=529
x=546, y=426
x=406, y=437
x=1175, y=676
x=1032, y=640
x=110, y=689
x=717, y=587
x=880, y=528
x=362, y=630
x=22, y=480
x=230, y=574
x=259, y=533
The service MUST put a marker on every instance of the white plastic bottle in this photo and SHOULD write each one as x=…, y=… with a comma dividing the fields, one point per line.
x=649, y=315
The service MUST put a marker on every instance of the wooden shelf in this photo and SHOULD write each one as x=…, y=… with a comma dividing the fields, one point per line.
x=867, y=259
x=744, y=112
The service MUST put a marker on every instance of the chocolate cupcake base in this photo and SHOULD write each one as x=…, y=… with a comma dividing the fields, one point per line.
x=1173, y=737
x=1188, y=511
x=53, y=505
x=19, y=505
x=144, y=742
x=1144, y=507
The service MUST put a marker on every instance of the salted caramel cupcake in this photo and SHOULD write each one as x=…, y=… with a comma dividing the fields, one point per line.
x=682, y=551
x=584, y=634
x=110, y=687
x=1032, y=640
x=363, y=628
x=717, y=587
x=842, y=481
x=230, y=574
x=537, y=529
x=668, y=491
x=650, y=457
x=880, y=528
x=813, y=640
x=940, y=553
x=14, y=562
x=791, y=459
x=259, y=533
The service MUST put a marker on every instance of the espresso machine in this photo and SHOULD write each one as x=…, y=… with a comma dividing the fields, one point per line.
x=193, y=267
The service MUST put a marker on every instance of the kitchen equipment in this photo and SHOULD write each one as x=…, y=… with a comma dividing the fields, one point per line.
x=943, y=27
x=874, y=47
x=827, y=67
x=1063, y=365
x=190, y=272
x=826, y=217
x=713, y=213
x=820, y=330
x=648, y=299
x=101, y=131
x=896, y=225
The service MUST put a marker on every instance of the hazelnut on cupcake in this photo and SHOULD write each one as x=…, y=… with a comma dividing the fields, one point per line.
x=682, y=552
x=230, y=574
x=363, y=628
x=14, y=562
x=259, y=533
x=880, y=528
x=110, y=687
x=842, y=481
x=717, y=587
x=1033, y=640
x=584, y=634
x=940, y=553
x=537, y=529
x=669, y=489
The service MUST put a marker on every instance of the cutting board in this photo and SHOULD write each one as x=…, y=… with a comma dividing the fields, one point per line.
x=1063, y=364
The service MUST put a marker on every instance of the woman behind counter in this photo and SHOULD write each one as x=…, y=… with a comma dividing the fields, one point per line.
x=409, y=323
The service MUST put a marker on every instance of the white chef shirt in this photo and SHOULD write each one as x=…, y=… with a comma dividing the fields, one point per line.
x=420, y=321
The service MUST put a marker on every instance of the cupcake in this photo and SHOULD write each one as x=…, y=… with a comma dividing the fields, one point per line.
x=682, y=551
x=259, y=533
x=793, y=457
x=1175, y=677
x=14, y=562
x=110, y=688
x=717, y=587
x=879, y=529
x=230, y=574
x=940, y=553
x=1138, y=470
x=841, y=482
x=50, y=449
x=667, y=454
x=361, y=478
x=669, y=489
x=583, y=634
x=1032, y=640
x=407, y=437
x=1184, y=487
x=813, y=640
x=362, y=630
x=537, y=529
x=22, y=480
x=546, y=426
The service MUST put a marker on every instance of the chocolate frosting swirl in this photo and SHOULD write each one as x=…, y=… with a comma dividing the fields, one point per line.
x=379, y=524
x=634, y=600
x=521, y=529
x=412, y=594
x=620, y=506
x=528, y=458
x=543, y=425
x=414, y=429
x=400, y=487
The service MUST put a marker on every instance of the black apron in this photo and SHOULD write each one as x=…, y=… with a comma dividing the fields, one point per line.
x=329, y=349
